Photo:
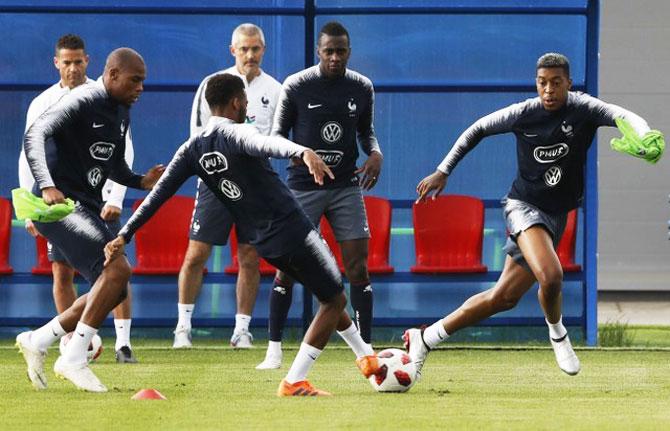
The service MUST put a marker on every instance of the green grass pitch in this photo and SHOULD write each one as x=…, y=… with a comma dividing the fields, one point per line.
x=218, y=388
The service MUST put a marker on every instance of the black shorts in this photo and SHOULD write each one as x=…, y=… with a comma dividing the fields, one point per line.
x=55, y=255
x=211, y=221
x=313, y=265
x=80, y=237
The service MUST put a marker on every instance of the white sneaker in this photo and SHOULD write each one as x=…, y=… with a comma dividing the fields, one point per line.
x=242, y=340
x=182, y=338
x=272, y=361
x=565, y=355
x=80, y=375
x=34, y=359
x=416, y=348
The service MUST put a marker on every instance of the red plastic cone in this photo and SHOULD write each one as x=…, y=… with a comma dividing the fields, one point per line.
x=148, y=394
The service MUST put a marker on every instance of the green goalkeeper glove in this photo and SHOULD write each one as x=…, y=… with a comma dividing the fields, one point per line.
x=29, y=206
x=650, y=147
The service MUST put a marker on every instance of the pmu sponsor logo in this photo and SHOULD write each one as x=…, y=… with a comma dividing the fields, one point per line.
x=230, y=190
x=331, y=132
x=94, y=176
x=552, y=176
x=330, y=158
x=101, y=151
x=551, y=153
x=213, y=162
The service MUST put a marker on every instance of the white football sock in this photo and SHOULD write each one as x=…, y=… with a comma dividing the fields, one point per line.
x=242, y=323
x=556, y=330
x=45, y=336
x=435, y=334
x=354, y=340
x=77, y=347
x=274, y=348
x=185, y=312
x=302, y=363
x=122, y=327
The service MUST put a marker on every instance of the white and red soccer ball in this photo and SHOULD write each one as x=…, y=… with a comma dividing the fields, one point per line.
x=397, y=372
x=94, y=347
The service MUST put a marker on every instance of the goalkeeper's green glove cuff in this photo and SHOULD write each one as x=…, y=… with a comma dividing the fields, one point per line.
x=650, y=147
x=29, y=206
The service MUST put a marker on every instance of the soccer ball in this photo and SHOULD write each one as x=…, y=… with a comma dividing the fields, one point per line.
x=94, y=347
x=397, y=372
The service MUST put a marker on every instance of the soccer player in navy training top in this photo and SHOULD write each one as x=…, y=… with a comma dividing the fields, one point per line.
x=553, y=133
x=329, y=108
x=72, y=149
x=231, y=159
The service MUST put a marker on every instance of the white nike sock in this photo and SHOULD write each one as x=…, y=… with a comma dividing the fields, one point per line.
x=556, y=330
x=45, y=336
x=274, y=348
x=185, y=312
x=435, y=334
x=302, y=363
x=354, y=340
x=242, y=323
x=77, y=347
x=122, y=327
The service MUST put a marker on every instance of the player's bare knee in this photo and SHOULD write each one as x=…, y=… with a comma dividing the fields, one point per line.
x=551, y=281
x=357, y=270
x=337, y=302
x=502, y=301
x=119, y=272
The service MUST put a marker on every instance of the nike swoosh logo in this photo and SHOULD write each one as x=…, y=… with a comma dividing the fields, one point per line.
x=97, y=126
x=54, y=332
x=530, y=135
x=313, y=358
x=81, y=335
x=310, y=106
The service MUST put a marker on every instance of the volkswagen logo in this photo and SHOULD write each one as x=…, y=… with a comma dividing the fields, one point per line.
x=553, y=176
x=230, y=190
x=331, y=132
x=94, y=176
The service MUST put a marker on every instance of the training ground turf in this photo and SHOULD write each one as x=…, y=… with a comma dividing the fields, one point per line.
x=218, y=388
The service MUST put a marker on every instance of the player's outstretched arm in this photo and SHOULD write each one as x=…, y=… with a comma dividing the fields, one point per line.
x=435, y=183
x=370, y=170
x=114, y=249
x=316, y=166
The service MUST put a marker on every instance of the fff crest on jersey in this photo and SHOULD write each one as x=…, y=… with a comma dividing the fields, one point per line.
x=551, y=153
x=230, y=190
x=567, y=129
x=553, y=176
x=213, y=162
x=94, y=176
x=101, y=150
x=265, y=100
x=351, y=105
x=331, y=132
x=330, y=158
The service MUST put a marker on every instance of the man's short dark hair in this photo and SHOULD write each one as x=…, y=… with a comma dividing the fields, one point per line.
x=554, y=59
x=223, y=88
x=333, y=28
x=70, y=41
